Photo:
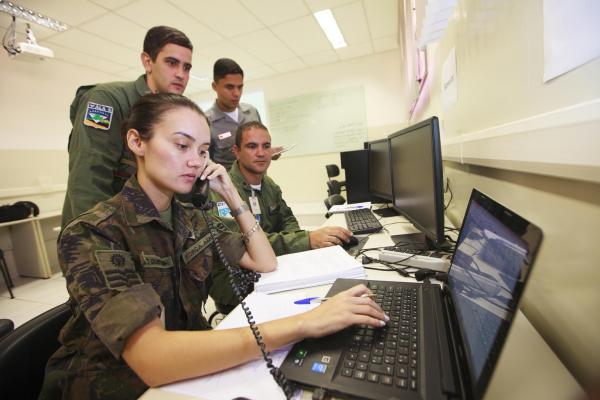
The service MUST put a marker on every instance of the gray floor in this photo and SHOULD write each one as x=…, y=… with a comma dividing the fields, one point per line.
x=32, y=297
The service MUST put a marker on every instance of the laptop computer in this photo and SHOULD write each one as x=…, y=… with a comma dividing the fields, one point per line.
x=440, y=342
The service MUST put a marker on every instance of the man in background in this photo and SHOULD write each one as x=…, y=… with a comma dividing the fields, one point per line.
x=227, y=113
x=263, y=196
x=99, y=163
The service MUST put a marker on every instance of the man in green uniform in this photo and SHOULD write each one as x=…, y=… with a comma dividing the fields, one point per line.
x=99, y=164
x=249, y=175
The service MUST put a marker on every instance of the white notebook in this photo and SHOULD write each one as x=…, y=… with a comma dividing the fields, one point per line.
x=310, y=268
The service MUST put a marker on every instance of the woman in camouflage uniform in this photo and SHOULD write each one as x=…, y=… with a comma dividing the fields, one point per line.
x=137, y=266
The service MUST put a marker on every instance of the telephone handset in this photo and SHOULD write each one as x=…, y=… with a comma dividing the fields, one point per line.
x=200, y=196
x=241, y=280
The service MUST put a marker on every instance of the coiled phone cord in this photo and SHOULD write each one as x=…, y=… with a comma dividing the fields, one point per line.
x=242, y=282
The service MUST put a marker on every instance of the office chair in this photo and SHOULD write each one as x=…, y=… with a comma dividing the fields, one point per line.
x=25, y=351
x=334, y=186
x=333, y=200
x=6, y=327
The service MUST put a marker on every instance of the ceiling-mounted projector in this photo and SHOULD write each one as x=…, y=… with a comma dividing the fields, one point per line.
x=33, y=51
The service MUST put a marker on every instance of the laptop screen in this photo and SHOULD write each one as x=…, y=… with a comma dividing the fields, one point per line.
x=491, y=262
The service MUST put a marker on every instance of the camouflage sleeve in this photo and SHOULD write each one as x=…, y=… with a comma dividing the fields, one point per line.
x=233, y=249
x=104, y=283
x=231, y=242
x=94, y=153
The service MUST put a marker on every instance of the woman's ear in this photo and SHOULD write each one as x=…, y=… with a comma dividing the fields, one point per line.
x=135, y=143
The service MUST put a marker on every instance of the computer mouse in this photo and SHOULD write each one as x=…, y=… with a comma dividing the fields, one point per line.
x=351, y=243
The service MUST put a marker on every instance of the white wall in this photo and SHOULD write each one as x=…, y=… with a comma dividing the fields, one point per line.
x=532, y=146
x=35, y=103
x=34, y=109
x=35, y=99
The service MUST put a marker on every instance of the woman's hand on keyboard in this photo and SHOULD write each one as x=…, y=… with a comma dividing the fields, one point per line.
x=350, y=307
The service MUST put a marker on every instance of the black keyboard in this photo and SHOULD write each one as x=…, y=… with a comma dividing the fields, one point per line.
x=388, y=356
x=362, y=221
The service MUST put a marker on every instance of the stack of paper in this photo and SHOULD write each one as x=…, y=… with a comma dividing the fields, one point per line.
x=310, y=268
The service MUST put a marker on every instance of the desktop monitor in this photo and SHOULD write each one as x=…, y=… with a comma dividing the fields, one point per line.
x=417, y=188
x=380, y=181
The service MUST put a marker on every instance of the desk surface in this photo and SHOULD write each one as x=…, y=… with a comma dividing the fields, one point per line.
x=538, y=374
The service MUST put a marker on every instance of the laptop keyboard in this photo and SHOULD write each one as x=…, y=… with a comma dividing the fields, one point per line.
x=362, y=221
x=389, y=355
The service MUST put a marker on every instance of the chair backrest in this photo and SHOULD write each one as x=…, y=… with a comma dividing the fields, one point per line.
x=25, y=351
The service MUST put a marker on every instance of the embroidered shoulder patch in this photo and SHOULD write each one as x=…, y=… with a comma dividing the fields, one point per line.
x=98, y=116
x=196, y=248
x=118, y=269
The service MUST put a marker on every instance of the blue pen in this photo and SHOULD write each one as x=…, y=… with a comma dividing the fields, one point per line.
x=311, y=300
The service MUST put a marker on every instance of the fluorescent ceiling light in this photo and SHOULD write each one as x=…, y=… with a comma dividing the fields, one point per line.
x=327, y=21
x=32, y=16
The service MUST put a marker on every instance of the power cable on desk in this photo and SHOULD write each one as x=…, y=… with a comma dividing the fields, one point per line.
x=390, y=266
x=451, y=240
x=398, y=222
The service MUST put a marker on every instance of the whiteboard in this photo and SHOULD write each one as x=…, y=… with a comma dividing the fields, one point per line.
x=323, y=122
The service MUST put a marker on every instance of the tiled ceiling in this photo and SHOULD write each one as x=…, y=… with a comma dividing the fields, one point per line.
x=266, y=37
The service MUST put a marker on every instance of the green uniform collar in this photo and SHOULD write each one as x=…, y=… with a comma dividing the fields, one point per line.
x=141, y=85
x=238, y=178
x=138, y=209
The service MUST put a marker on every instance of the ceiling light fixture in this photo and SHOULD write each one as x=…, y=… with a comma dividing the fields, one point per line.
x=327, y=21
x=32, y=16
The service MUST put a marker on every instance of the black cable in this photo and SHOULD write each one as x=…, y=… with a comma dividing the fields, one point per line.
x=242, y=283
x=9, y=39
x=448, y=189
x=451, y=240
x=390, y=265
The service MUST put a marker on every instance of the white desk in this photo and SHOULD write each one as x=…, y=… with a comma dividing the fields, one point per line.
x=527, y=368
x=34, y=244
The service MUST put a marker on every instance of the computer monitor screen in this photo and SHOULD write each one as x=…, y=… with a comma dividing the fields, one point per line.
x=493, y=257
x=380, y=181
x=416, y=167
